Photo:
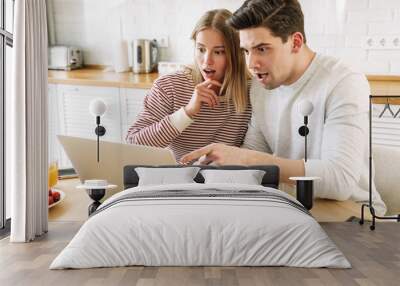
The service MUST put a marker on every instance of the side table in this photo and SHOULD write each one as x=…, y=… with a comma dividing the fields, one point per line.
x=305, y=190
x=96, y=189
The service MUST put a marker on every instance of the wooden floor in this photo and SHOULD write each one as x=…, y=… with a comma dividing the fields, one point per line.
x=374, y=255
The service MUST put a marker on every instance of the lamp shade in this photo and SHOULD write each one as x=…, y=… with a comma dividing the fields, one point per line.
x=305, y=107
x=97, y=107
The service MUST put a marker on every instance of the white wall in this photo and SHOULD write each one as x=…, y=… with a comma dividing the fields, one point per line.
x=335, y=27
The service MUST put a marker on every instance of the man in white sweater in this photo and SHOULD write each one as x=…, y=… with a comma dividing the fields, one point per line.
x=286, y=71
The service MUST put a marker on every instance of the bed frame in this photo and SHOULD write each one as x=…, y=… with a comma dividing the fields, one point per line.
x=270, y=179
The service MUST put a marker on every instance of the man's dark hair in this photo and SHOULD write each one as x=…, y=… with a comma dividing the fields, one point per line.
x=282, y=17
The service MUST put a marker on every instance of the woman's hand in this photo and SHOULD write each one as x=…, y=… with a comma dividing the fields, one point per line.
x=204, y=93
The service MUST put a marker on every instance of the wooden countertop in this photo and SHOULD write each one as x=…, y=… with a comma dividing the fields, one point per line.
x=75, y=206
x=383, y=78
x=99, y=77
x=384, y=86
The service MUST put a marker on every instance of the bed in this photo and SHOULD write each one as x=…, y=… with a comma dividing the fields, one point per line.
x=201, y=224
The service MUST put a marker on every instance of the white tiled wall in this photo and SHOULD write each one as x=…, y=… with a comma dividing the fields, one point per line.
x=335, y=27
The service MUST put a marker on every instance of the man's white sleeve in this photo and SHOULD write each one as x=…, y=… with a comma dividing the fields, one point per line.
x=345, y=139
x=255, y=139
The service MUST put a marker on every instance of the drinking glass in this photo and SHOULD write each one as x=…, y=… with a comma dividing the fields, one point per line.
x=53, y=174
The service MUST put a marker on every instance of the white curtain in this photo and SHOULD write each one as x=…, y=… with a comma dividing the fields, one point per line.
x=26, y=123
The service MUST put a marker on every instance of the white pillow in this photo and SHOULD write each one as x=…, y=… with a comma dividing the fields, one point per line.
x=164, y=176
x=248, y=177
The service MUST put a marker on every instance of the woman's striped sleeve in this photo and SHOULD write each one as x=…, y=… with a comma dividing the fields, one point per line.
x=153, y=126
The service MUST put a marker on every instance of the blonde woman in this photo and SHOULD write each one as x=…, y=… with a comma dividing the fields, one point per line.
x=206, y=104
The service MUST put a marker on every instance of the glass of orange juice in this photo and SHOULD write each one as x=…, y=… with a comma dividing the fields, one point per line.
x=53, y=174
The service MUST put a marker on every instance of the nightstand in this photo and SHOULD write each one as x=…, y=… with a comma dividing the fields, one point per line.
x=96, y=189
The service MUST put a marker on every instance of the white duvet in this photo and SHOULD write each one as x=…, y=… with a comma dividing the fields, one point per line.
x=200, y=231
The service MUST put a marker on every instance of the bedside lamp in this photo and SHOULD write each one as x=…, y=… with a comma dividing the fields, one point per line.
x=304, y=185
x=97, y=108
x=305, y=109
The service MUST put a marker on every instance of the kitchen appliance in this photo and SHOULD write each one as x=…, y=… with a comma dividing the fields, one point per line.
x=145, y=55
x=170, y=67
x=65, y=58
x=120, y=49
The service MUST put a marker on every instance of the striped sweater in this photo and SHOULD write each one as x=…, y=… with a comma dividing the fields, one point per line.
x=160, y=122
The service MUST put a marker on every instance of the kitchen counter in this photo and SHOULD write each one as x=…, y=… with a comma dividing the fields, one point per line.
x=95, y=76
x=383, y=86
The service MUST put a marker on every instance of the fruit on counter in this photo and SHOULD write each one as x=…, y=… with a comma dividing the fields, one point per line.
x=56, y=196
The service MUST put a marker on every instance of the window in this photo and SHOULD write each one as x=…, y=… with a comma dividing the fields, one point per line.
x=9, y=19
x=6, y=44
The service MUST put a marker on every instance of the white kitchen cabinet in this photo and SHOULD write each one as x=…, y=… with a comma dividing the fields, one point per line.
x=69, y=114
x=131, y=106
x=54, y=148
x=75, y=118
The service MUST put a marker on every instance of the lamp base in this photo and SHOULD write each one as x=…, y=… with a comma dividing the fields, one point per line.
x=100, y=130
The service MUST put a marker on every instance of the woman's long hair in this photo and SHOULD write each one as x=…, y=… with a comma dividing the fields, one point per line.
x=236, y=77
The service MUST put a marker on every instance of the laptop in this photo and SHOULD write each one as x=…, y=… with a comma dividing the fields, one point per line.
x=113, y=158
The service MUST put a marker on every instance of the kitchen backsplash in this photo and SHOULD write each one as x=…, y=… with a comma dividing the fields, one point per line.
x=340, y=28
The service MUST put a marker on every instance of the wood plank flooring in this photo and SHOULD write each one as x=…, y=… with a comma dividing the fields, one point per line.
x=374, y=255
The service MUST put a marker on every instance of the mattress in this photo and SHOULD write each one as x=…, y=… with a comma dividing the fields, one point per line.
x=201, y=225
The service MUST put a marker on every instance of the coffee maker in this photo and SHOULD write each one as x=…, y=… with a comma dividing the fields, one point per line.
x=144, y=55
